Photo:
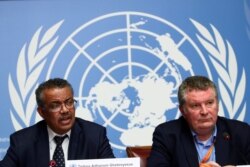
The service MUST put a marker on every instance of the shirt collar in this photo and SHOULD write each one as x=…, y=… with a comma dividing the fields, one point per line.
x=52, y=134
x=211, y=138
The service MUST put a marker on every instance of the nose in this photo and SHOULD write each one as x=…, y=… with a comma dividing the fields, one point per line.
x=204, y=109
x=64, y=109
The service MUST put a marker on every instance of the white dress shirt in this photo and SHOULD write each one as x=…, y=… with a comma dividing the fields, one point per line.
x=52, y=143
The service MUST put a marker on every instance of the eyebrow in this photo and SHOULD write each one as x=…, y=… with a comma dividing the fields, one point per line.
x=57, y=101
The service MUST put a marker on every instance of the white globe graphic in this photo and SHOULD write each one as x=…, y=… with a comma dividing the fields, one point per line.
x=125, y=68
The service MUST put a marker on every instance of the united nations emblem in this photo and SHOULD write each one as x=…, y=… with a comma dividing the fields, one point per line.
x=125, y=68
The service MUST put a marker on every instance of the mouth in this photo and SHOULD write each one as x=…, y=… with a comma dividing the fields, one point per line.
x=65, y=120
x=205, y=120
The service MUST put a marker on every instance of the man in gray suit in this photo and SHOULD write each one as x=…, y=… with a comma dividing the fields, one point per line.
x=34, y=146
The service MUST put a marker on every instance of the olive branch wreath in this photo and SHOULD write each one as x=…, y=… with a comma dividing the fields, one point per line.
x=222, y=56
x=31, y=61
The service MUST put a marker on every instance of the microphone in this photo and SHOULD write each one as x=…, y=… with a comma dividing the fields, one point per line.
x=52, y=163
x=226, y=136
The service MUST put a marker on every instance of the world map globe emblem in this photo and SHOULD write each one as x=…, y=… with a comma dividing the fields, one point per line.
x=125, y=68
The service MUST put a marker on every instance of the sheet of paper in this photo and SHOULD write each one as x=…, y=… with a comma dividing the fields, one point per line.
x=111, y=162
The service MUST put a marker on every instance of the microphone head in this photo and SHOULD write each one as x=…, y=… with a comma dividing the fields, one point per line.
x=226, y=136
x=52, y=163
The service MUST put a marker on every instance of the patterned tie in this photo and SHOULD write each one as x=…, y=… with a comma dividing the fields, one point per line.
x=206, y=157
x=58, y=154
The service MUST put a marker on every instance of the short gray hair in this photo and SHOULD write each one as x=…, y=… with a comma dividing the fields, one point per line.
x=50, y=84
x=195, y=83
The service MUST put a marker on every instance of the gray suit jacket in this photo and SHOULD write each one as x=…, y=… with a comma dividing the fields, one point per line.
x=29, y=147
x=173, y=144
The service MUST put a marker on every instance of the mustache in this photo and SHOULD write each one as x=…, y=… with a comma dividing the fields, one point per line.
x=65, y=116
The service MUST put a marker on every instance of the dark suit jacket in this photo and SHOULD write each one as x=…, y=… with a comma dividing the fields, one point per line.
x=29, y=147
x=173, y=144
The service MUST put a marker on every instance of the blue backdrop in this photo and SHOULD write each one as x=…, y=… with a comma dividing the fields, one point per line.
x=125, y=60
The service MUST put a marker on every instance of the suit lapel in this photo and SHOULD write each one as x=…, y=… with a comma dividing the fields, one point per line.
x=191, y=154
x=222, y=145
x=74, y=144
x=42, y=147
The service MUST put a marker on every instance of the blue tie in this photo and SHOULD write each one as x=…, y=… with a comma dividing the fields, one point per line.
x=58, y=154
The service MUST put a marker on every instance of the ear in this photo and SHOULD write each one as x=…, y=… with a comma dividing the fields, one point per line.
x=182, y=110
x=40, y=111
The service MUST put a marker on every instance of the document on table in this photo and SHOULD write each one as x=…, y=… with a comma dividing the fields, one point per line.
x=110, y=162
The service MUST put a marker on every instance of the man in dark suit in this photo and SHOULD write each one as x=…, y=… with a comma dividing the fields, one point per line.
x=34, y=146
x=200, y=138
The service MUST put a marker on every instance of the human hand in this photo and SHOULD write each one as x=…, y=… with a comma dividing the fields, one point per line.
x=212, y=164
